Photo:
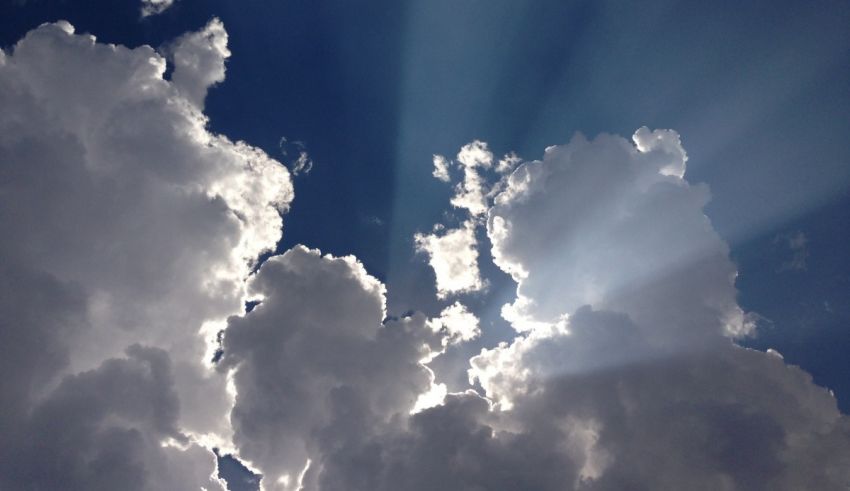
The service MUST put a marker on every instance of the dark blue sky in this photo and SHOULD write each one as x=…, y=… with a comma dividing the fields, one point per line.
x=760, y=96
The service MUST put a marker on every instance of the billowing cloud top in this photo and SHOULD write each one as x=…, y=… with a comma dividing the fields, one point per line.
x=315, y=366
x=126, y=223
x=130, y=237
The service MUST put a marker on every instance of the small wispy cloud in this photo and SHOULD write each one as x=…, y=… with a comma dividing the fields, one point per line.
x=295, y=153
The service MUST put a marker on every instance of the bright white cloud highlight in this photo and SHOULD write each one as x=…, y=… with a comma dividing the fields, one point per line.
x=441, y=168
x=314, y=365
x=623, y=368
x=153, y=7
x=613, y=224
x=199, y=61
x=130, y=234
x=508, y=163
x=453, y=255
x=458, y=323
x=471, y=192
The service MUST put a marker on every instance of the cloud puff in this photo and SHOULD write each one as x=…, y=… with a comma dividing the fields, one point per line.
x=614, y=225
x=130, y=231
x=471, y=193
x=441, y=168
x=125, y=223
x=153, y=7
x=453, y=255
x=314, y=365
x=508, y=163
x=601, y=399
x=458, y=323
x=199, y=61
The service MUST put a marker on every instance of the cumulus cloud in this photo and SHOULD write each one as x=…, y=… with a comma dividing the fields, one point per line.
x=624, y=373
x=458, y=323
x=314, y=365
x=130, y=237
x=508, y=163
x=471, y=192
x=126, y=223
x=441, y=168
x=453, y=255
x=153, y=7
x=615, y=225
x=199, y=61
x=606, y=393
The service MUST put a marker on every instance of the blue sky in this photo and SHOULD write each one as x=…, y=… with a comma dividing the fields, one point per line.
x=759, y=95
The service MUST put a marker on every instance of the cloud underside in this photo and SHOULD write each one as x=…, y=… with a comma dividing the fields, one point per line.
x=130, y=236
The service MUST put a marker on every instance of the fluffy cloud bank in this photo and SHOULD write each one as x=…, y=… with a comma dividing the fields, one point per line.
x=635, y=383
x=315, y=365
x=127, y=226
x=130, y=235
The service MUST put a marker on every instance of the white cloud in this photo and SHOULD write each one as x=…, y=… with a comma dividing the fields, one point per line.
x=199, y=61
x=471, y=193
x=441, y=168
x=453, y=255
x=315, y=366
x=153, y=7
x=125, y=222
x=631, y=382
x=458, y=323
x=614, y=225
x=508, y=163
x=628, y=293
x=129, y=233
x=105, y=429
